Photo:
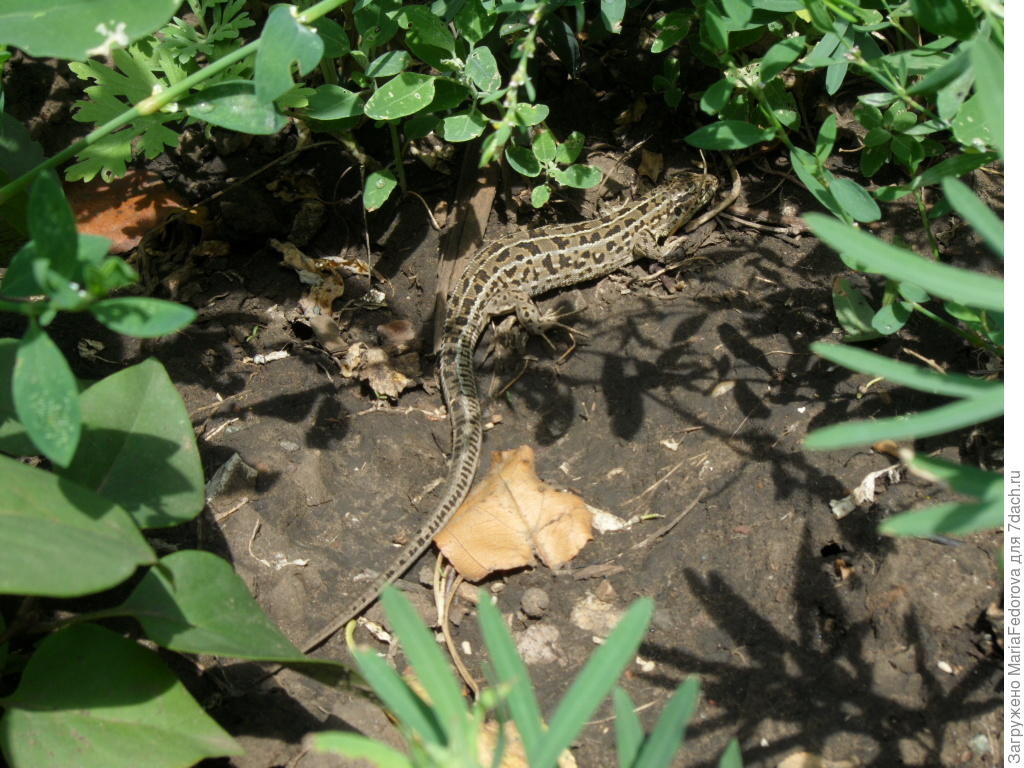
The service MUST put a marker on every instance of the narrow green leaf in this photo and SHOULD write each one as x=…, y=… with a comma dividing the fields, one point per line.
x=781, y=55
x=404, y=94
x=358, y=747
x=731, y=757
x=955, y=517
x=962, y=478
x=510, y=673
x=52, y=225
x=142, y=316
x=826, y=138
x=729, y=134
x=408, y=708
x=378, y=188
x=332, y=102
x=946, y=418
x=905, y=374
x=988, y=65
x=976, y=213
x=953, y=167
x=855, y=200
x=808, y=171
x=629, y=732
x=284, y=41
x=430, y=667
x=593, y=683
x=89, y=697
x=62, y=539
x=874, y=255
x=46, y=396
x=664, y=741
x=942, y=76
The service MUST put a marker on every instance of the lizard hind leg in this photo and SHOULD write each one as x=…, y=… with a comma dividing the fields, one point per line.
x=539, y=323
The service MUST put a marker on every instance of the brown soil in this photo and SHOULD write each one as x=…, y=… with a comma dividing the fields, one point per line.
x=808, y=633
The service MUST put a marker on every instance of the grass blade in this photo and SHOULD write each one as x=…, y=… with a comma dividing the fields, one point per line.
x=405, y=705
x=907, y=374
x=357, y=746
x=510, y=671
x=962, y=478
x=664, y=741
x=982, y=218
x=874, y=255
x=593, y=683
x=954, y=517
x=629, y=733
x=731, y=758
x=945, y=418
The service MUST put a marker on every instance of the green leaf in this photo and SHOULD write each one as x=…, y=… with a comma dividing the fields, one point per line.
x=629, y=733
x=874, y=255
x=332, y=102
x=593, y=683
x=432, y=671
x=52, y=225
x=971, y=126
x=976, y=213
x=194, y=602
x=14, y=439
x=962, y=478
x=940, y=77
x=531, y=114
x=569, y=150
x=91, y=698
x=233, y=105
x=407, y=707
x=578, y=176
x=463, y=126
x=952, y=167
x=729, y=134
x=914, y=293
x=544, y=147
x=852, y=311
x=142, y=316
x=826, y=138
x=510, y=674
x=670, y=29
x=540, y=195
x=988, y=66
x=808, y=171
x=474, y=21
x=717, y=96
x=389, y=64
x=136, y=426
x=427, y=36
x=335, y=39
x=358, y=747
x=482, y=70
x=781, y=55
x=905, y=374
x=891, y=318
x=944, y=17
x=78, y=30
x=46, y=396
x=375, y=23
x=61, y=539
x=956, y=517
x=378, y=188
x=448, y=94
x=731, y=757
x=667, y=736
x=404, y=94
x=612, y=12
x=523, y=161
x=418, y=126
x=284, y=41
x=946, y=418
x=855, y=200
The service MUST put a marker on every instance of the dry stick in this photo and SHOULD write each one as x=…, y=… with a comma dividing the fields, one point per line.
x=669, y=525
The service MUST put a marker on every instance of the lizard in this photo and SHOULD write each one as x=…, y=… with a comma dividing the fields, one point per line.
x=501, y=278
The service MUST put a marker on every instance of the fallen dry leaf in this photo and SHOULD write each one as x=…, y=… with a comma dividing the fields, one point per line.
x=372, y=364
x=510, y=516
x=811, y=760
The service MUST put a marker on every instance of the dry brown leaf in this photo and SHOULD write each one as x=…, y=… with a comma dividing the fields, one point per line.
x=510, y=516
x=514, y=755
x=811, y=760
x=372, y=365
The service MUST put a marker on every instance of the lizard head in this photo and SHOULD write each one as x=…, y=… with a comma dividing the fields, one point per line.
x=679, y=198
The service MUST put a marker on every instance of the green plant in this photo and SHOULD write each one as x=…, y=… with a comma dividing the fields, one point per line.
x=441, y=729
x=87, y=695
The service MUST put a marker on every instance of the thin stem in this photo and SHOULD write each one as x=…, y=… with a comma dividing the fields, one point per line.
x=922, y=210
x=971, y=337
x=396, y=150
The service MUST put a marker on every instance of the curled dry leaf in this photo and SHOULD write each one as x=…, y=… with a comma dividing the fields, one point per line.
x=372, y=365
x=511, y=517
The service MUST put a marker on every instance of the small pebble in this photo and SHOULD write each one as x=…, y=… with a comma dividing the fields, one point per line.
x=535, y=602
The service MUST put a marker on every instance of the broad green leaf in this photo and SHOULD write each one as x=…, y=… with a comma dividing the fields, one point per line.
x=233, y=105
x=826, y=138
x=378, y=188
x=914, y=293
x=359, y=747
x=418, y=126
x=944, y=17
x=891, y=318
x=808, y=171
x=14, y=439
x=404, y=94
x=473, y=21
x=717, y=96
x=905, y=374
x=375, y=23
x=52, y=225
x=540, y=195
x=194, y=602
x=544, y=147
x=135, y=425
x=431, y=668
x=593, y=684
x=91, y=698
x=670, y=29
x=942, y=76
x=463, y=126
x=578, y=176
x=612, y=12
x=877, y=137
x=523, y=160
x=956, y=517
x=62, y=539
x=974, y=212
x=855, y=200
x=781, y=55
x=531, y=114
x=19, y=153
x=332, y=102
x=971, y=126
x=879, y=99
x=389, y=64
x=874, y=255
x=448, y=94
x=945, y=418
x=852, y=311
x=988, y=65
x=77, y=30
x=510, y=674
x=729, y=134
x=567, y=151
x=284, y=41
x=335, y=39
x=482, y=69
x=142, y=316
x=667, y=736
x=629, y=733
x=427, y=36
x=46, y=396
